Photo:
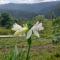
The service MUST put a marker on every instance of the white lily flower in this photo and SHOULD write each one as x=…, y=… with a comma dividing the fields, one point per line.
x=19, y=29
x=34, y=30
x=16, y=27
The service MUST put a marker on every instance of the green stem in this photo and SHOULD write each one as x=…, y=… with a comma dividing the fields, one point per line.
x=29, y=46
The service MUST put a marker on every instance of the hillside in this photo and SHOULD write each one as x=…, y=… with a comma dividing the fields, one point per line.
x=30, y=10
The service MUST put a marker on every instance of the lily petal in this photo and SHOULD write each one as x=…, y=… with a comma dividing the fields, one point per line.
x=35, y=26
x=17, y=33
x=36, y=33
x=16, y=27
x=40, y=27
x=29, y=34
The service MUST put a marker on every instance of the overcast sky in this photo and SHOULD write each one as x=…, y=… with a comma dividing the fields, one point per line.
x=24, y=1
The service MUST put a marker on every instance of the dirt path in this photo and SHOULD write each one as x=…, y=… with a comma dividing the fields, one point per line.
x=33, y=48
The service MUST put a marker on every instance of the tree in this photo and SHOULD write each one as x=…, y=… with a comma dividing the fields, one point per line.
x=39, y=18
x=6, y=20
x=56, y=24
x=48, y=29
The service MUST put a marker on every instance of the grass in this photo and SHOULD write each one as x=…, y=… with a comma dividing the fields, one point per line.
x=42, y=49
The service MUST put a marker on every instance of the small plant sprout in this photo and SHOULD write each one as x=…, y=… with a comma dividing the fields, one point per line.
x=19, y=29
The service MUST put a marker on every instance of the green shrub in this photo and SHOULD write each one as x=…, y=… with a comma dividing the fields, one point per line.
x=56, y=40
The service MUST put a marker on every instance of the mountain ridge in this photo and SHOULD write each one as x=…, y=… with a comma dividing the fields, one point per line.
x=30, y=10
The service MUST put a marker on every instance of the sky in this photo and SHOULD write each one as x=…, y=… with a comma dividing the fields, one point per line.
x=24, y=1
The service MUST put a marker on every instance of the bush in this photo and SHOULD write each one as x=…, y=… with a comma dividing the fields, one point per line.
x=56, y=40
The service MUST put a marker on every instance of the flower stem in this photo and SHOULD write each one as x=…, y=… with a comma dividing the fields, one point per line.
x=29, y=46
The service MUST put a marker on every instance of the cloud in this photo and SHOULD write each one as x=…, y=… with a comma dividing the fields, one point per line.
x=23, y=1
x=30, y=1
x=4, y=1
